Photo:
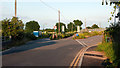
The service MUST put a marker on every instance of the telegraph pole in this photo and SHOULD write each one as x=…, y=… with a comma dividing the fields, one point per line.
x=72, y=27
x=85, y=24
x=100, y=25
x=15, y=8
x=59, y=21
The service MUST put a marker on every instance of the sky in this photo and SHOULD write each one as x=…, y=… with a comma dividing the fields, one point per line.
x=91, y=11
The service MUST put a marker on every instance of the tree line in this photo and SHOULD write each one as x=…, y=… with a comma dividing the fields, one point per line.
x=14, y=27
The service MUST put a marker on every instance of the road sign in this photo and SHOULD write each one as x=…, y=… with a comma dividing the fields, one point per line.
x=36, y=33
x=55, y=27
x=78, y=28
x=40, y=32
x=63, y=28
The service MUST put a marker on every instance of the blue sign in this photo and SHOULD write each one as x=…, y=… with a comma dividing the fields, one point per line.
x=77, y=34
x=36, y=33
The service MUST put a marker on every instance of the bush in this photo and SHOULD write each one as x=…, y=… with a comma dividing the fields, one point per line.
x=30, y=36
x=61, y=36
x=20, y=36
x=114, y=33
x=55, y=38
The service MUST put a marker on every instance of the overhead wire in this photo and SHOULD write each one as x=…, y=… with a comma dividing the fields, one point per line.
x=54, y=9
x=48, y=5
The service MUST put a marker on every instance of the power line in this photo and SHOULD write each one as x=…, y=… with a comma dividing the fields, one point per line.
x=49, y=6
x=65, y=18
x=59, y=13
x=53, y=9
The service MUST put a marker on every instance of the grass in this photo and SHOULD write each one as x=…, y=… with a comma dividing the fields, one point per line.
x=111, y=50
x=107, y=48
x=87, y=34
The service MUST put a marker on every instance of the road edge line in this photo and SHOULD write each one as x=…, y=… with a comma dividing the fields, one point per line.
x=80, y=63
x=73, y=61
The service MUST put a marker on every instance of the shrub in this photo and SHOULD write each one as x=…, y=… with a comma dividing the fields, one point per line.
x=55, y=38
x=20, y=36
x=30, y=36
x=81, y=36
x=61, y=36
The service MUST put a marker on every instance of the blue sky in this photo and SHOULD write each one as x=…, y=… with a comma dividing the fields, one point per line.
x=28, y=10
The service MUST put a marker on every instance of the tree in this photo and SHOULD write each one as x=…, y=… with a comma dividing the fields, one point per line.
x=32, y=26
x=49, y=30
x=89, y=27
x=71, y=27
x=12, y=27
x=94, y=26
x=61, y=24
x=77, y=22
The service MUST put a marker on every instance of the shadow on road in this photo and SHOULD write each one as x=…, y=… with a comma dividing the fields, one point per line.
x=30, y=45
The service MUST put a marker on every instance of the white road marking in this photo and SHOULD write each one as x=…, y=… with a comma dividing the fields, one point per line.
x=80, y=63
x=84, y=43
x=81, y=43
x=82, y=55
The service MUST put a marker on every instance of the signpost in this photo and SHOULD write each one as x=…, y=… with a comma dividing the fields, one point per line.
x=55, y=27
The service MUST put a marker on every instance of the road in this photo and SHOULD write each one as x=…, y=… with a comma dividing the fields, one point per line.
x=46, y=52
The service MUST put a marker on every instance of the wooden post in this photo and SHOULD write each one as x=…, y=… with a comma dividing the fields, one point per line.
x=59, y=21
x=15, y=8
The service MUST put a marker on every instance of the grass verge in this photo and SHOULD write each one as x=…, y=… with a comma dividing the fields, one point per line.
x=111, y=51
x=87, y=34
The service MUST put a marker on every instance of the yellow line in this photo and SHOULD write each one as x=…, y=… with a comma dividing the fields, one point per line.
x=75, y=58
x=79, y=58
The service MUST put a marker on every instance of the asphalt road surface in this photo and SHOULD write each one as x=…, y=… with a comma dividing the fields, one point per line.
x=45, y=52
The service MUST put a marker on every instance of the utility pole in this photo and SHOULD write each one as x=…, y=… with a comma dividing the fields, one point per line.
x=15, y=8
x=72, y=27
x=59, y=21
x=85, y=24
x=100, y=25
x=115, y=17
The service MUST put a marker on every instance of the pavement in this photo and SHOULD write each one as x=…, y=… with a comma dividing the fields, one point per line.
x=46, y=52
x=93, y=59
